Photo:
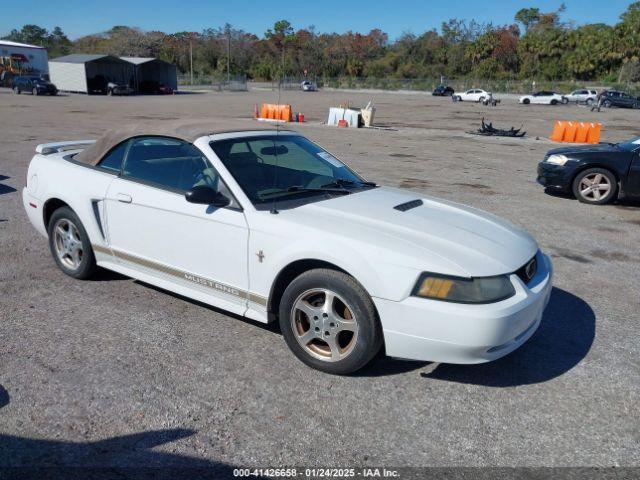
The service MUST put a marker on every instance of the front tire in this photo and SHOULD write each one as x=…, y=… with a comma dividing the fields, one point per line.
x=554, y=102
x=596, y=186
x=16, y=90
x=606, y=104
x=330, y=322
x=526, y=101
x=589, y=102
x=70, y=244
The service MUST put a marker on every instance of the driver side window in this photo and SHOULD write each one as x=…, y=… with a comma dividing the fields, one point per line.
x=168, y=163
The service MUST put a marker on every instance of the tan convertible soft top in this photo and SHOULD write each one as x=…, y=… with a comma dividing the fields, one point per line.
x=185, y=130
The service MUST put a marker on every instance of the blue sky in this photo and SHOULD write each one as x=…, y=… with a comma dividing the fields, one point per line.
x=80, y=17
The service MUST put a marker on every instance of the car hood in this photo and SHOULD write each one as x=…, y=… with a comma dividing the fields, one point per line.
x=440, y=235
x=582, y=149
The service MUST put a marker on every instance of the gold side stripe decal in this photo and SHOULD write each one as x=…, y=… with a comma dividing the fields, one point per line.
x=202, y=281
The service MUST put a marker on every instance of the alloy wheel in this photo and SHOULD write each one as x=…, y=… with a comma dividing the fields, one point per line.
x=67, y=244
x=594, y=187
x=324, y=325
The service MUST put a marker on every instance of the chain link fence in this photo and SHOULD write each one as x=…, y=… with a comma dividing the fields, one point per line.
x=236, y=83
x=496, y=86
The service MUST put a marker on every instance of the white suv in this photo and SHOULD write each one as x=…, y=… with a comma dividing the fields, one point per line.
x=583, y=96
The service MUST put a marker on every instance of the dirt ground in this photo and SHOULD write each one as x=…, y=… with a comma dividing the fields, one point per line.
x=113, y=372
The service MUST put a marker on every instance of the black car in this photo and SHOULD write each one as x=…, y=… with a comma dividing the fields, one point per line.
x=614, y=98
x=442, y=91
x=35, y=85
x=151, y=87
x=595, y=174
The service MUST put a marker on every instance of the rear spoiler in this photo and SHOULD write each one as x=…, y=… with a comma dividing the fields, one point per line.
x=55, y=147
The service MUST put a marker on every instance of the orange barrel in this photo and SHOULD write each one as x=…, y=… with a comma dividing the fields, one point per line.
x=558, y=131
x=570, y=132
x=583, y=131
x=593, y=136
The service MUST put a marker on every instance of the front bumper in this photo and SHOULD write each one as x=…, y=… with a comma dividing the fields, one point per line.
x=554, y=176
x=431, y=330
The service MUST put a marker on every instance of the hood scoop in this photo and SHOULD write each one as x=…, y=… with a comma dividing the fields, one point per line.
x=403, y=207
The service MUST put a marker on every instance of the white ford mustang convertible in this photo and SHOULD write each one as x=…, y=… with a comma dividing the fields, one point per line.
x=269, y=225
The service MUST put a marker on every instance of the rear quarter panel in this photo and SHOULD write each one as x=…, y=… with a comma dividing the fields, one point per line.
x=76, y=185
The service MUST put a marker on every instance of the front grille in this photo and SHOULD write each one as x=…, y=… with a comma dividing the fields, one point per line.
x=527, y=271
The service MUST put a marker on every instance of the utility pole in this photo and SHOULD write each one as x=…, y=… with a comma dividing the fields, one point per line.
x=282, y=75
x=228, y=57
x=191, y=57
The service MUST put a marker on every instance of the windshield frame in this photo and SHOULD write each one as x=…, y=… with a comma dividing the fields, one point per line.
x=290, y=199
x=631, y=145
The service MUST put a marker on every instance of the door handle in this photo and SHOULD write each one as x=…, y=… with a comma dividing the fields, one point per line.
x=124, y=198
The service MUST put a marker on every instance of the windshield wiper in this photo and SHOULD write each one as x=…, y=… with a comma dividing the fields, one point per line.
x=340, y=182
x=323, y=188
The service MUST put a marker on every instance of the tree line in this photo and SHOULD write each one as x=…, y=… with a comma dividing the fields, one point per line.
x=537, y=45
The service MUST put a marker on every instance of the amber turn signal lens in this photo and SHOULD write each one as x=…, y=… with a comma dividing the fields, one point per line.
x=435, y=287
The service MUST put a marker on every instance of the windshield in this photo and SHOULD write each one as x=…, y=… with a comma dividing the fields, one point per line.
x=271, y=168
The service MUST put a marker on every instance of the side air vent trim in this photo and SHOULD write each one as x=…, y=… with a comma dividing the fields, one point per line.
x=96, y=213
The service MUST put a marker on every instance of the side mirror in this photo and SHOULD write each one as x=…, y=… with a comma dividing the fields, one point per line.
x=205, y=195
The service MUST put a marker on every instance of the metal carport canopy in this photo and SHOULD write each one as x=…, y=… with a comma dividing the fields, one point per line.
x=149, y=68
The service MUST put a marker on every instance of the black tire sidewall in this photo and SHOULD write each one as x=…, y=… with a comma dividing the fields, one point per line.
x=526, y=101
x=575, y=187
x=369, y=339
x=88, y=264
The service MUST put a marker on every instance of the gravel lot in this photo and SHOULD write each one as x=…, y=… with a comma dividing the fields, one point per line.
x=113, y=372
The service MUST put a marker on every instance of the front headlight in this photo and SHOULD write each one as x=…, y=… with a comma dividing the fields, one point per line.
x=557, y=159
x=464, y=290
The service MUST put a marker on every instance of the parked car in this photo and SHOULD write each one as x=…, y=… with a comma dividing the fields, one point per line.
x=34, y=85
x=583, y=96
x=614, y=98
x=543, y=98
x=269, y=225
x=151, y=87
x=308, y=86
x=443, y=91
x=117, y=88
x=473, y=95
x=595, y=174
x=97, y=85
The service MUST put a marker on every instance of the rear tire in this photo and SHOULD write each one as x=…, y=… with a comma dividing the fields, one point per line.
x=595, y=186
x=606, y=104
x=70, y=244
x=34, y=92
x=330, y=322
x=526, y=101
